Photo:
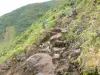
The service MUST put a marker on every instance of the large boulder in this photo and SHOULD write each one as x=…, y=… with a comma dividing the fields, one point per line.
x=38, y=64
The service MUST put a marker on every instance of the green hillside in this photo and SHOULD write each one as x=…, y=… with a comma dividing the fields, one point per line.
x=23, y=17
x=81, y=18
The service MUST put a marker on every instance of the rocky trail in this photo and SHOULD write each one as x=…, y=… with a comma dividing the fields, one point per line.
x=51, y=56
x=71, y=47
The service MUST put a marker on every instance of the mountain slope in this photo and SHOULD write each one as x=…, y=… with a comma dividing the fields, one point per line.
x=23, y=17
x=80, y=18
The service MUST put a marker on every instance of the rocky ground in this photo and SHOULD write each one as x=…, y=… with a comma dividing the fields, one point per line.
x=51, y=56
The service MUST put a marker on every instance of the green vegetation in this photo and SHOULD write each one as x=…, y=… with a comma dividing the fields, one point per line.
x=31, y=35
x=82, y=20
x=23, y=17
x=17, y=21
x=84, y=32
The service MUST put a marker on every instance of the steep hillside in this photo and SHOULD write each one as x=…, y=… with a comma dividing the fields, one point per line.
x=70, y=44
x=23, y=17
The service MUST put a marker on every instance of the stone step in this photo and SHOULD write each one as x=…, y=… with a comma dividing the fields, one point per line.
x=56, y=37
x=56, y=49
x=45, y=50
x=59, y=43
x=44, y=45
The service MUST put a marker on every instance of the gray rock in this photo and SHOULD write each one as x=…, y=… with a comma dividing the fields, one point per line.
x=56, y=49
x=77, y=52
x=40, y=63
x=20, y=57
x=64, y=30
x=64, y=66
x=45, y=44
x=58, y=43
x=39, y=74
x=55, y=37
x=56, y=56
x=4, y=67
x=45, y=49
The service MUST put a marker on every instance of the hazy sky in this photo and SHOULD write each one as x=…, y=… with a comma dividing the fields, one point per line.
x=9, y=5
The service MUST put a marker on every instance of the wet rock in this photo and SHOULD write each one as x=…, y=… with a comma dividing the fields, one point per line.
x=55, y=37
